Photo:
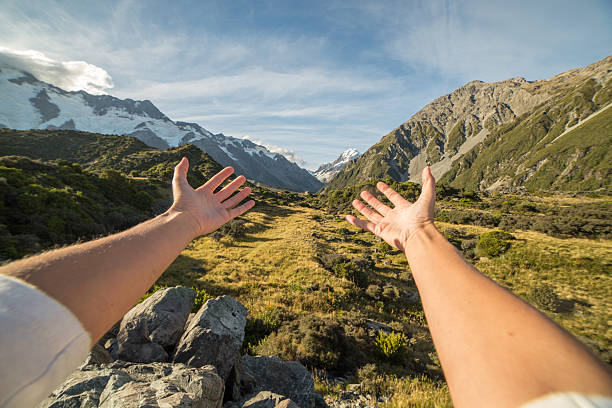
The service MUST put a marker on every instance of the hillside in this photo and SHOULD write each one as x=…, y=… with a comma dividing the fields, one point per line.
x=491, y=136
x=317, y=290
x=28, y=103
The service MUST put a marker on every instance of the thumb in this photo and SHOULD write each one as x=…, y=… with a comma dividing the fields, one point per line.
x=180, y=172
x=428, y=192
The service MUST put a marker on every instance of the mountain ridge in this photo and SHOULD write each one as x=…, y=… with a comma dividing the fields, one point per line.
x=28, y=103
x=449, y=128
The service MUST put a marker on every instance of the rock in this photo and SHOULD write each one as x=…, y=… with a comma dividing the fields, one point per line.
x=267, y=399
x=131, y=385
x=288, y=378
x=214, y=336
x=377, y=326
x=98, y=355
x=150, y=330
x=239, y=383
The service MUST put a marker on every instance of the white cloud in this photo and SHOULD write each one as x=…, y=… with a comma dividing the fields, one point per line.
x=288, y=153
x=68, y=75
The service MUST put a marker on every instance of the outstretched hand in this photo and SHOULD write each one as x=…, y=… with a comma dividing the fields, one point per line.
x=209, y=210
x=397, y=225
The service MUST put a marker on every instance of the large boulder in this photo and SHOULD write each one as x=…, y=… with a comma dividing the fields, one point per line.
x=129, y=385
x=267, y=399
x=150, y=330
x=214, y=336
x=288, y=378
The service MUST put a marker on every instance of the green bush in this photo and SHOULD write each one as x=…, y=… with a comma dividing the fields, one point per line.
x=384, y=248
x=325, y=343
x=494, y=243
x=545, y=297
x=390, y=344
x=200, y=299
x=259, y=326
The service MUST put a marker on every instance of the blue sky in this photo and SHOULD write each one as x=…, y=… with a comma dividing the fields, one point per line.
x=311, y=78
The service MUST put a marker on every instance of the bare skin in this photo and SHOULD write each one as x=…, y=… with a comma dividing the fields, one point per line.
x=99, y=281
x=495, y=349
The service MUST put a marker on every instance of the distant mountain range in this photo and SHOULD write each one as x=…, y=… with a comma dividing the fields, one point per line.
x=27, y=103
x=552, y=134
x=328, y=170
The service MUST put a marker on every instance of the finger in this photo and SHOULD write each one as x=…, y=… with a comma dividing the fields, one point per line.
x=366, y=225
x=237, y=198
x=428, y=192
x=230, y=188
x=391, y=194
x=180, y=172
x=366, y=211
x=374, y=203
x=238, y=211
x=218, y=179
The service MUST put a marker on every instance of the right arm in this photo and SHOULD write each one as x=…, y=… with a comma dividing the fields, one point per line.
x=495, y=349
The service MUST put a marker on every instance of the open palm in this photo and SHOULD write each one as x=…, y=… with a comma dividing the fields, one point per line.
x=396, y=225
x=208, y=209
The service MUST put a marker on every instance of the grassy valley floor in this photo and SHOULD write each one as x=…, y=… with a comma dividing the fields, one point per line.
x=278, y=264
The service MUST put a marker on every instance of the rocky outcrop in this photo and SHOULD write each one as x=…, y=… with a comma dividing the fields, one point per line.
x=288, y=378
x=152, y=329
x=214, y=336
x=130, y=385
x=207, y=369
x=267, y=399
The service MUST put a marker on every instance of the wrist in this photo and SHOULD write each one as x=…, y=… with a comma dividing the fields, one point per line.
x=420, y=238
x=185, y=221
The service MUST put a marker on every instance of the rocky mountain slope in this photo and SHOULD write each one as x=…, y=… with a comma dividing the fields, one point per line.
x=328, y=170
x=497, y=135
x=27, y=103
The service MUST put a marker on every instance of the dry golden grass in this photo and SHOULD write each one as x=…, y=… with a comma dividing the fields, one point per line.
x=275, y=266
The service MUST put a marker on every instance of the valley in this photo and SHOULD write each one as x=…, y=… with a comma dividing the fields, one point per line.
x=318, y=290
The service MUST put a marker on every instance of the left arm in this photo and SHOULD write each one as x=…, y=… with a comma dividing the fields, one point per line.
x=99, y=281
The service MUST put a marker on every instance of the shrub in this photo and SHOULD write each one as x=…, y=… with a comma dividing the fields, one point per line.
x=374, y=291
x=492, y=245
x=325, y=343
x=390, y=292
x=545, y=297
x=235, y=228
x=259, y=326
x=384, y=248
x=200, y=299
x=390, y=344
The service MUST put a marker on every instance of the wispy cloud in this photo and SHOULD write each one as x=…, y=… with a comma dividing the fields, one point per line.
x=68, y=75
x=288, y=153
x=314, y=77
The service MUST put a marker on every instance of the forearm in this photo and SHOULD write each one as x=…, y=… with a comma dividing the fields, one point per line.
x=495, y=349
x=99, y=281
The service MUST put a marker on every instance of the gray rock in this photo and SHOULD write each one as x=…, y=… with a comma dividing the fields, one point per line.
x=267, y=399
x=151, y=330
x=129, y=385
x=98, y=355
x=288, y=378
x=239, y=383
x=214, y=336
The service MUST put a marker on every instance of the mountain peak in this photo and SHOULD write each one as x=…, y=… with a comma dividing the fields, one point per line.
x=28, y=103
x=328, y=170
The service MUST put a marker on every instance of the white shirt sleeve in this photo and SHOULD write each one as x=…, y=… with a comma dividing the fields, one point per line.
x=41, y=343
x=570, y=400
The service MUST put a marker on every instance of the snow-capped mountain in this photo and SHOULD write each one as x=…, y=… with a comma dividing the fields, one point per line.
x=326, y=171
x=27, y=103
